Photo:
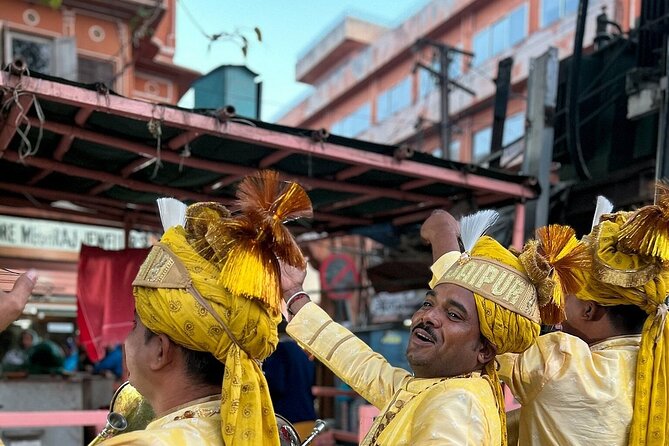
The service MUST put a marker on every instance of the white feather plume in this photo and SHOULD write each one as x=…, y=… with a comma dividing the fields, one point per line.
x=172, y=212
x=473, y=226
x=604, y=206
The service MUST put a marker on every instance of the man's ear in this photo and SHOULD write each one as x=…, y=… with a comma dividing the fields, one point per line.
x=592, y=311
x=162, y=352
x=487, y=352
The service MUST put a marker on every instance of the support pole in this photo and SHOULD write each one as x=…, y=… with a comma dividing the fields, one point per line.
x=541, y=102
x=662, y=157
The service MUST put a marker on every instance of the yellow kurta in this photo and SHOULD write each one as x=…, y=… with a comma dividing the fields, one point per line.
x=202, y=429
x=456, y=411
x=572, y=393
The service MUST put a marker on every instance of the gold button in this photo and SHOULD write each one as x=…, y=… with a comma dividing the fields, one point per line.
x=399, y=404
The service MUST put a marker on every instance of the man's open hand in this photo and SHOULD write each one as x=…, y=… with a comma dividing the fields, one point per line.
x=13, y=302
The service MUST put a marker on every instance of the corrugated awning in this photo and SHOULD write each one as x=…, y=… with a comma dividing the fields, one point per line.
x=111, y=157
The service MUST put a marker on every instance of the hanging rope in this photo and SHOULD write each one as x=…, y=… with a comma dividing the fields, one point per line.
x=185, y=153
x=156, y=129
x=22, y=123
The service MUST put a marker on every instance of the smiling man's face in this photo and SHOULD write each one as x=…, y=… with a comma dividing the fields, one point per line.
x=445, y=336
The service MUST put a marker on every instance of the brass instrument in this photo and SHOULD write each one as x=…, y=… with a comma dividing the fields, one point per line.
x=128, y=411
x=288, y=436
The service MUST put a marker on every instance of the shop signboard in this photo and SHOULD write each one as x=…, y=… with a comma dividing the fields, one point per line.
x=395, y=307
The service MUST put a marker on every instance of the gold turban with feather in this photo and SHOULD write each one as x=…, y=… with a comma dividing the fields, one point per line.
x=630, y=266
x=513, y=293
x=213, y=285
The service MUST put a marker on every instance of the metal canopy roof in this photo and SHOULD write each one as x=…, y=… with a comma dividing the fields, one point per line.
x=112, y=157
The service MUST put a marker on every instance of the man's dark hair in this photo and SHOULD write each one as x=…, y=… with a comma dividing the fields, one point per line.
x=201, y=366
x=627, y=318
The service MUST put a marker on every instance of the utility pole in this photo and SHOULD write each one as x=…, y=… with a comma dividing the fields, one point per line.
x=445, y=53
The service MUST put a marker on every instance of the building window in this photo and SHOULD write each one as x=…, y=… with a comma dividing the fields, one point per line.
x=427, y=83
x=514, y=129
x=453, y=153
x=553, y=10
x=354, y=123
x=501, y=35
x=481, y=144
x=36, y=52
x=90, y=71
x=393, y=99
x=57, y=57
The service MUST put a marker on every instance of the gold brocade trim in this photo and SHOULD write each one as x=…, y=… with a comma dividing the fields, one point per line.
x=197, y=413
x=497, y=282
x=398, y=404
x=162, y=269
x=626, y=278
x=205, y=399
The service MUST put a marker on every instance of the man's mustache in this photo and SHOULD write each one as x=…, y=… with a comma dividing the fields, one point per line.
x=427, y=327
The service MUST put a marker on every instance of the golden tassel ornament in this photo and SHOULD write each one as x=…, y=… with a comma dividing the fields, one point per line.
x=647, y=231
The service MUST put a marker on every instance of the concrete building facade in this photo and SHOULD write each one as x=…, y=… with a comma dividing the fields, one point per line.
x=367, y=86
x=127, y=44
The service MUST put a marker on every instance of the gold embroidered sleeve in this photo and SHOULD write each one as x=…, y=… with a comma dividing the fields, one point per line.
x=367, y=372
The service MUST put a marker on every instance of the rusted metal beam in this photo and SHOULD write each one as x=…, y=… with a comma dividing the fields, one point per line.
x=219, y=184
x=181, y=140
x=412, y=218
x=54, y=195
x=82, y=115
x=518, y=238
x=341, y=219
x=104, y=219
x=415, y=184
x=39, y=176
x=136, y=166
x=351, y=172
x=342, y=204
x=410, y=209
x=241, y=132
x=102, y=187
x=14, y=118
x=109, y=178
x=233, y=169
x=273, y=158
x=63, y=146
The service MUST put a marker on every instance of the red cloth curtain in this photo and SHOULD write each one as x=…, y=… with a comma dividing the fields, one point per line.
x=105, y=304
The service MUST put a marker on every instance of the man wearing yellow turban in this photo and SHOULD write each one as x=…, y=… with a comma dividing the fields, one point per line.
x=207, y=306
x=591, y=383
x=481, y=303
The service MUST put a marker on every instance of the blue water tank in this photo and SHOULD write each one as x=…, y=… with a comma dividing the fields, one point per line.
x=229, y=85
